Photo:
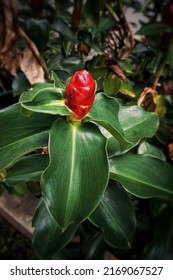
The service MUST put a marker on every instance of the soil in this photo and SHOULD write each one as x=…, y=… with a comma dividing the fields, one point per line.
x=14, y=245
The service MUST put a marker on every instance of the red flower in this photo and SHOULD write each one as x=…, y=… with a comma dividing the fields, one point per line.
x=79, y=94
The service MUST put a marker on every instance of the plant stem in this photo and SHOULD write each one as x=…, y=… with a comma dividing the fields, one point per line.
x=111, y=11
x=159, y=73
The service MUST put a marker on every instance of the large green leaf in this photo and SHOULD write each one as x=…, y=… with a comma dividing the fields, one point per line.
x=105, y=112
x=75, y=180
x=160, y=247
x=45, y=98
x=136, y=124
x=47, y=237
x=115, y=216
x=20, y=134
x=42, y=88
x=26, y=169
x=143, y=175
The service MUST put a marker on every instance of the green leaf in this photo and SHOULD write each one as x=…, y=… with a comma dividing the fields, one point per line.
x=20, y=189
x=105, y=23
x=71, y=64
x=20, y=134
x=125, y=64
x=26, y=169
x=64, y=29
x=42, y=88
x=98, y=73
x=19, y=84
x=111, y=84
x=104, y=111
x=53, y=107
x=126, y=89
x=75, y=180
x=115, y=216
x=38, y=31
x=94, y=247
x=143, y=175
x=91, y=12
x=154, y=29
x=150, y=150
x=160, y=247
x=45, y=98
x=58, y=83
x=136, y=124
x=47, y=237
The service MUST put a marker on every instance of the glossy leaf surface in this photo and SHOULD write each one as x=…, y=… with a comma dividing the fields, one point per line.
x=47, y=237
x=150, y=150
x=143, y=176
x=26, y=169
x=45, y=98
x=75, y=180
x=136, y=124
x=115, y=216
x=105, y=112
x=20, y=134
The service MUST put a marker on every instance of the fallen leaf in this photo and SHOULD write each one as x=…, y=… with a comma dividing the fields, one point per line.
x=31, y=67
x=10, y=60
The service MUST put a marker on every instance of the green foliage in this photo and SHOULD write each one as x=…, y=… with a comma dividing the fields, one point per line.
x=115, y=215
x=77, y=175
x=48, y=233
x=135, y=173
x=106, y=179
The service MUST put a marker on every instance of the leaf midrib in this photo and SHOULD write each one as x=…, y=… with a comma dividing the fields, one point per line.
x=73, y=145
x=142, y=182
x=23, y=139
x=118, y=225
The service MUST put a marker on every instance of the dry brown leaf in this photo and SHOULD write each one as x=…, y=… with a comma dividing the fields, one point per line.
x=9, y=55
x=170, y=150
x=10, y=60
x=30, y=66
x=8, y=21
x=31, y=63
x=146, y=99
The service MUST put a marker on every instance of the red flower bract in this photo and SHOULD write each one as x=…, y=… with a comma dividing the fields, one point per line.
x=79, y=93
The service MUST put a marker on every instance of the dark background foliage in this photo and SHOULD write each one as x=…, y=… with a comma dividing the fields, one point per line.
x=132, y=61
